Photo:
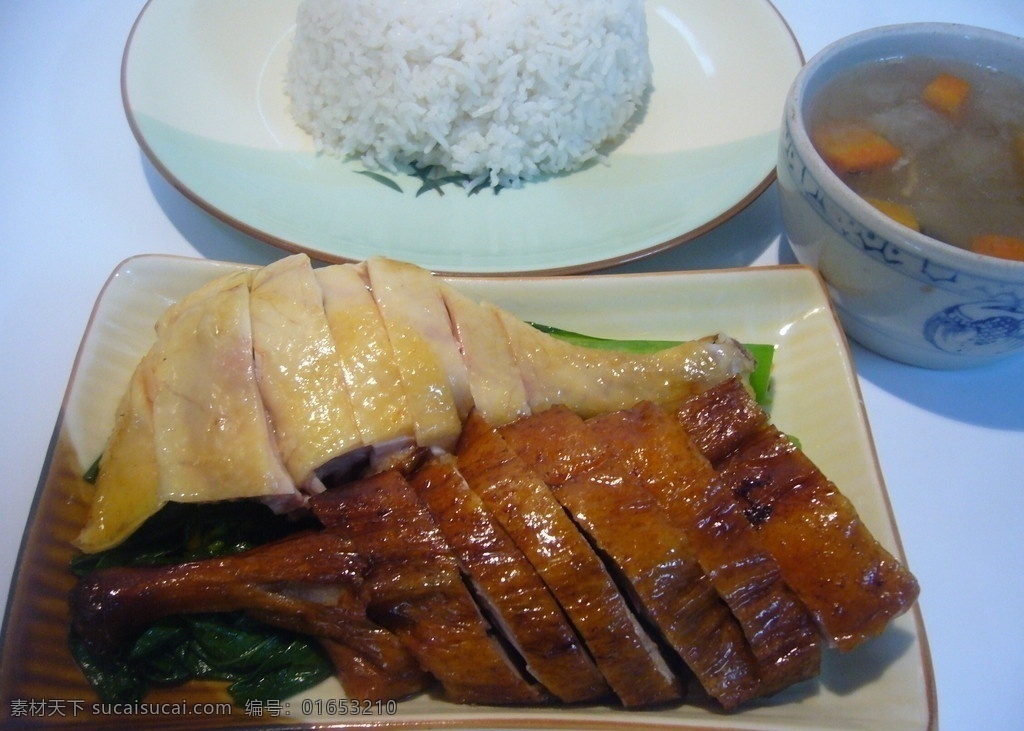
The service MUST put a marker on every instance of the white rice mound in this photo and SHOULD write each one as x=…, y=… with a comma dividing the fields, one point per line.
x=501, y=91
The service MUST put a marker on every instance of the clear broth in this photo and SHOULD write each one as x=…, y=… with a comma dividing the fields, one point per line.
x=960, y=176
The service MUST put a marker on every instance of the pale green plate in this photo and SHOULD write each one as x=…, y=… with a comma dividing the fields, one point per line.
x=203, y=88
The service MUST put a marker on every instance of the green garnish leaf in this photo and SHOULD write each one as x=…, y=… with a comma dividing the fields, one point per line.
x=260, y=662
x=761, y=377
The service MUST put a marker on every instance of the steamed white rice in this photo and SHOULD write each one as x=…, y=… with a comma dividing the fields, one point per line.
x=498, y=90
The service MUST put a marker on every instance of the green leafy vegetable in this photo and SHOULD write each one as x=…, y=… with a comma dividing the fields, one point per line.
x=260, y=662
x=760, y=378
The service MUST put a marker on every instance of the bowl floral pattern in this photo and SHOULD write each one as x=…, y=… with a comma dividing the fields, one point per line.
x=988, y=318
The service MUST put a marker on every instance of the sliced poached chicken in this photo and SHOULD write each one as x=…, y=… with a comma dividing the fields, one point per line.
x=192, y=426
x=299, y=371
x=261, y=378
x=368, y=363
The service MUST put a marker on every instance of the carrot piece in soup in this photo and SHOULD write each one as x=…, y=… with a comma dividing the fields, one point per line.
x=947, y=93
x=849, y=147
x=1004, y=247
x=897, y=212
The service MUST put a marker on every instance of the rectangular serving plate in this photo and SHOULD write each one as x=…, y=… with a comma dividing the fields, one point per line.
x=885, y=685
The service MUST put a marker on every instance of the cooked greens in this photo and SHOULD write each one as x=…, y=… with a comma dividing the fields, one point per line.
x=260, y=662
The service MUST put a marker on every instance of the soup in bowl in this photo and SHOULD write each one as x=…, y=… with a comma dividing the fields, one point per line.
x=901, y=179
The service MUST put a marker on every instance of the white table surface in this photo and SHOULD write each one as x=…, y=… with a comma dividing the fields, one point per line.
x=77, y=197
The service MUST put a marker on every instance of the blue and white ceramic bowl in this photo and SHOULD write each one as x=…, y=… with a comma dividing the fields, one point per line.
x=900, y=293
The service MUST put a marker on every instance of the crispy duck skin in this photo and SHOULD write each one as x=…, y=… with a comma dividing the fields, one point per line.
x=387, y=672
x=413, y=587
x=307, y=583
x=852, y=585
x=508, y=585
x=782, y=634
x=652, y=555
x=721, y=419
x=525, y=507
x=737, y=556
